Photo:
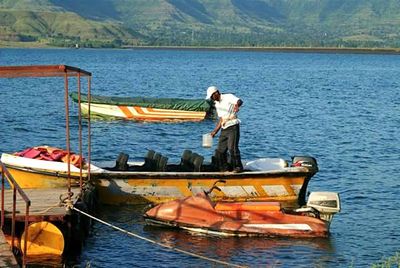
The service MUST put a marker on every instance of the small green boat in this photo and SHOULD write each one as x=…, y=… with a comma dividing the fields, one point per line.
x=146, y=109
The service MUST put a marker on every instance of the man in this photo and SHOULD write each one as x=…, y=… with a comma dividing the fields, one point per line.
x=227, y=106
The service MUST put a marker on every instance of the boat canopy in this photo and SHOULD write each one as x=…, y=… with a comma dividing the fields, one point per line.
x=41, y=71
x=199, y=105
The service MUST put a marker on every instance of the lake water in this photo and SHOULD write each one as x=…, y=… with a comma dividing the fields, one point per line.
x=343, y=109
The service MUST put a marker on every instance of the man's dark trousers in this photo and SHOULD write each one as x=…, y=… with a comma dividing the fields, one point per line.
x=229, y=141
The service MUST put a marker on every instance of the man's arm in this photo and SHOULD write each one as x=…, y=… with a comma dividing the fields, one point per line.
x=217, y=128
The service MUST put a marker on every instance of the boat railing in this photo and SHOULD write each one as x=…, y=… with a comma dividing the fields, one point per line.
x=5, y=174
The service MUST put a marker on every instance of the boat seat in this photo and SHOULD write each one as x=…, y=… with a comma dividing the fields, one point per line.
x=155, y=161
x=185, y=160
x=193, y=157
x=148, y=160
x=122, y=162
x=197, y=162
x=186, y=155
x=162, y=164
x=149, y=155
x=248, y=206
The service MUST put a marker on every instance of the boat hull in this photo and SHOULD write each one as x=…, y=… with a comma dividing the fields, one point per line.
x=199, y=214
x=31, y=179
x=158, y=187
x=32, y=173
x=318, y=228
x=287, y=186
x=141, y=113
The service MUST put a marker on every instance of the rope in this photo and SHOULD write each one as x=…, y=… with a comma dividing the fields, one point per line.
x=49, y=208
x=63, y=202
x=157, y=243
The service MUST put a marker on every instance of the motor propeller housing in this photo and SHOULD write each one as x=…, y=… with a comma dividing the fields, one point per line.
x=326, y=203
x=322, y=205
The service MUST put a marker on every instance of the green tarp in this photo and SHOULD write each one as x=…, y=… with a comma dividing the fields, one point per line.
x=198, y=105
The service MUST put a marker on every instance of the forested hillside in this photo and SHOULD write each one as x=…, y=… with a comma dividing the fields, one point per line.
x=321, y=23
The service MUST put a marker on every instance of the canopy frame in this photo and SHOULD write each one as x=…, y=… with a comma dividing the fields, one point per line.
x=41, y=71
x=66, y=72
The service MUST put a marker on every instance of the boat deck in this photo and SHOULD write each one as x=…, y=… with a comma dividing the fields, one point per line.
x=45, y=204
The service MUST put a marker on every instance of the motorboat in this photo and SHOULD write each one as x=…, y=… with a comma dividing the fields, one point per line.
x=155, y=180
x=199, y=214
x=145, y=108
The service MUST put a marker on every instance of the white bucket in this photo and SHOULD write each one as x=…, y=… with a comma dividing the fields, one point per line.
x=207, y=140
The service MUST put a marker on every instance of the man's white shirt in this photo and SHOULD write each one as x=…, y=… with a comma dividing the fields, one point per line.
x=225, y=108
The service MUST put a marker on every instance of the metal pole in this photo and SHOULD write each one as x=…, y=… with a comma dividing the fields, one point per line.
x=89, y=126
x=26, y=234
x=15, y=187
x=80, y=133
x=67, y=135
x=2, y=196
x=13, y=216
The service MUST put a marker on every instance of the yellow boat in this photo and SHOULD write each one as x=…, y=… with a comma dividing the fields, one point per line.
x=268, y=179
x=33, y=173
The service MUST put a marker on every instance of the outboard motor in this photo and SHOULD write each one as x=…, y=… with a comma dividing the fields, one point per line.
x=305, y=161
x=326, y=204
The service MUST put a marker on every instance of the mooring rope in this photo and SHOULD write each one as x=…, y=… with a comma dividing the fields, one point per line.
x=155, y=242
x=61, y=203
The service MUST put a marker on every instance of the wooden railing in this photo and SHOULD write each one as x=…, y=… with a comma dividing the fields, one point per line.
x=15, y=187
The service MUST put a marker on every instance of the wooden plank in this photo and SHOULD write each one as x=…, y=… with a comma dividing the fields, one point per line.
x=44, y=203
x=7, y=258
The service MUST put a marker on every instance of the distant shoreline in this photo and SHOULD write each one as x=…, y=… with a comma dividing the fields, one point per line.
x=339, y=50
x=280, y=49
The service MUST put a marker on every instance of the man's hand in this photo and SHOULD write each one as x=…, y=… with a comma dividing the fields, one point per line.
x=237, y=105
x=217, y=127
x=236, y=108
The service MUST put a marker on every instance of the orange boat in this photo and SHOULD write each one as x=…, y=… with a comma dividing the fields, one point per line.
x=199, y=214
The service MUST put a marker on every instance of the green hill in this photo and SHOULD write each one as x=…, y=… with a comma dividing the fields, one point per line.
x=348, y=23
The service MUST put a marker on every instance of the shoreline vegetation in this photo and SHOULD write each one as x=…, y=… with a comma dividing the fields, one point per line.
x=359, y=26
x=342, y=50
x=392, y=261
x=281, y=49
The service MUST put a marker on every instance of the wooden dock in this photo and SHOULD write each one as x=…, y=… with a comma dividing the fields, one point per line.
x=7, y=258
x=45, y=204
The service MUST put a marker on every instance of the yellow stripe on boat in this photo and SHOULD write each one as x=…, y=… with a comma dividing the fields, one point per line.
x=153, y=188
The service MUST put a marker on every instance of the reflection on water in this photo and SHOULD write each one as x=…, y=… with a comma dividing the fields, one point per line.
x=226, y=248
x=45, y=261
